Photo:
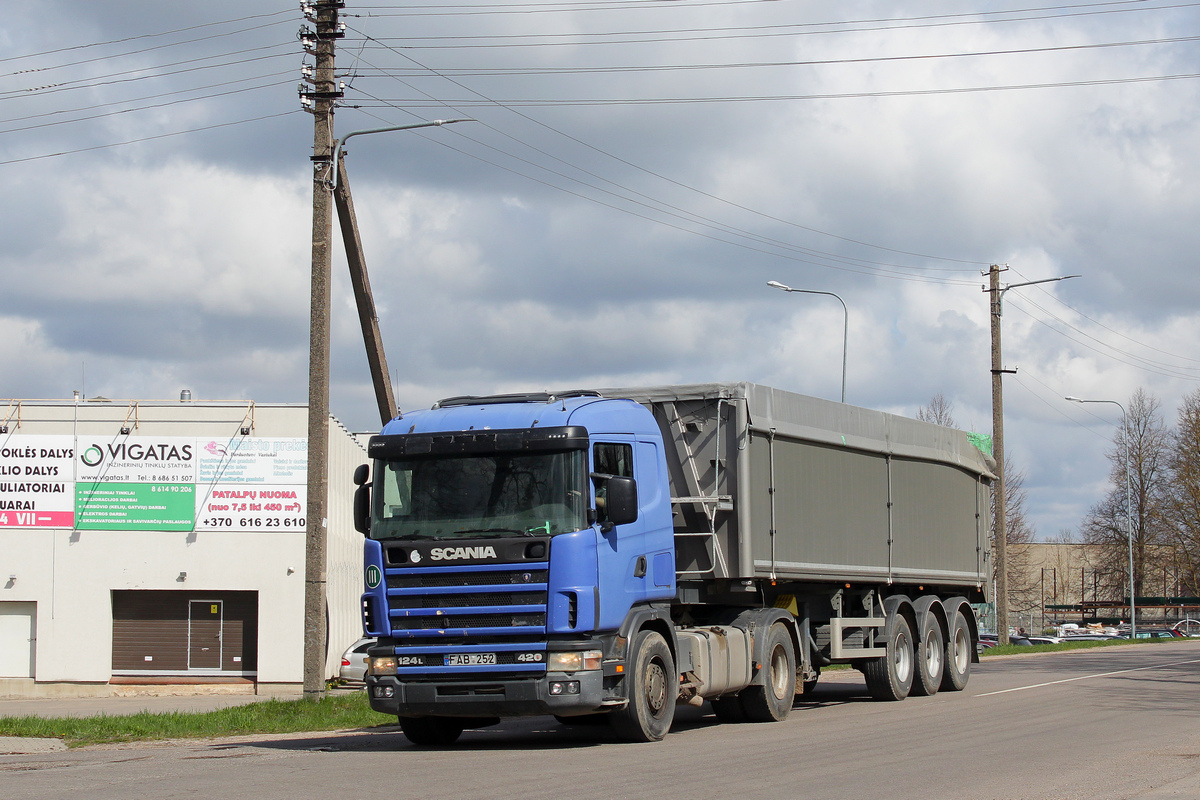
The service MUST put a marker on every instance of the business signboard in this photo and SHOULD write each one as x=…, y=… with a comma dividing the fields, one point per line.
x=166, y=483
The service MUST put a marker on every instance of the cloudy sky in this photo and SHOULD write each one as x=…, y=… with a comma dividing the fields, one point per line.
x=637, y=172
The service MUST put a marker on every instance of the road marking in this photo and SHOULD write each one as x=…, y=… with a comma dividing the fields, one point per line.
x=1087, y=677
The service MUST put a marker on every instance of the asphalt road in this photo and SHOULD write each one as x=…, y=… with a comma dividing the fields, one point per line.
x=1118, y=723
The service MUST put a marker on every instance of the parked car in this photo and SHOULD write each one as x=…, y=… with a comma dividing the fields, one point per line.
x=1089, y=637
x=1043, y=639
x=1187, y=627
x=354, y=661
x=1153, y=633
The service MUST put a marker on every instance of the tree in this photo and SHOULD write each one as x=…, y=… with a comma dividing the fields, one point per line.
x=940, y=411
x=1182, y=504
x=1143, y=442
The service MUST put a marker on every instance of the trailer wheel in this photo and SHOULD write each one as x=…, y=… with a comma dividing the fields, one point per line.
x=772, y=701
x=431, y=731
x=890, y=677
x=931, y=658
x=958, y=655
x=652, y=688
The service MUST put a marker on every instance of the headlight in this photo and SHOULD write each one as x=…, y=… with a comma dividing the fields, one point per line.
x=574, y=661
x=381, y=665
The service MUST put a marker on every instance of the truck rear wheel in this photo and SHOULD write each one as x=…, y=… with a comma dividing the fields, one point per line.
x=653, y=687
x=772, y=701
x=931, y=657
x=431, y=731
x=958, y=655
x=890, y=677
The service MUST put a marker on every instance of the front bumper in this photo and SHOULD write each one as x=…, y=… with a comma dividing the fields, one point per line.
x=499, y=697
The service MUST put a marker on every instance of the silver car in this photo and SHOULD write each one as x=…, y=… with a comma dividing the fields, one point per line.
x=354, y=661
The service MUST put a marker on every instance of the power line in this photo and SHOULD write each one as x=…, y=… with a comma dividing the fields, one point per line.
x=581, y=38
x=608, y=70
x=167, y=104
x=654, y=101
x=148, y=138
x=115, y=77
x=142, y=36
x=681, y=185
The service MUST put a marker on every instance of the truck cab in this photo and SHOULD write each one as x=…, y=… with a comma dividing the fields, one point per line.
x=511, y=540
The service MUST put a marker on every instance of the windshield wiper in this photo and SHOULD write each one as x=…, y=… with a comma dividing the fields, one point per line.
x=495, y=530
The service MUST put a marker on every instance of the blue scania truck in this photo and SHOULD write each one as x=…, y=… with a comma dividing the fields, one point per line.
x=605, y=555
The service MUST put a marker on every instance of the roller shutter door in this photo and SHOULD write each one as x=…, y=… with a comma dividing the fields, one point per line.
x=185, y=633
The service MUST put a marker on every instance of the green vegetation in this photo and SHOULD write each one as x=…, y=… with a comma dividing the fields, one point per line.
x=1015, y=649
x=334, y=712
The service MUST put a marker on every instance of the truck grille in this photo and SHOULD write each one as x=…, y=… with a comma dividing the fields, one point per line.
x=489, y=608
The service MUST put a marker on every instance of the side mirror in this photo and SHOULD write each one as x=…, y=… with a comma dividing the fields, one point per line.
x=616, y=500
x=362, y=500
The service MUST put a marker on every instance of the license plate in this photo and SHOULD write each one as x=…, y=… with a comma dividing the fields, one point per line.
x=469, y=659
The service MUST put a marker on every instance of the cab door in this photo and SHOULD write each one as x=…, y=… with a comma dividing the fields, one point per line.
x=635, y=561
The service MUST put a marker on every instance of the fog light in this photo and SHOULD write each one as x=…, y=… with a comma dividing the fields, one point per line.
x=381, y=665
x=556, y=687
x=574, y=661
x=383, y=691
x=572, y=687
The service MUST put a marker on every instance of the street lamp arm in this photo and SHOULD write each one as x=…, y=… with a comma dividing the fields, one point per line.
x=337, y=150
x=845, y=321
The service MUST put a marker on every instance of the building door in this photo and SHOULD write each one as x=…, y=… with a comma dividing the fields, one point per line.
x=204, y=634
x=174, y=632
x=17, y=638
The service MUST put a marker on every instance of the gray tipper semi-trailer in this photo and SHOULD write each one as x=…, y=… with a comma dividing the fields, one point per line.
x=620, y=551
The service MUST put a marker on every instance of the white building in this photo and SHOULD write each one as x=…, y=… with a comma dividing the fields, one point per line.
x=164, y=542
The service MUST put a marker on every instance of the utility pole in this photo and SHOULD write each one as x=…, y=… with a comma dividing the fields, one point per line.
x=999, y=523
x=320, y=101
x=1000, y=518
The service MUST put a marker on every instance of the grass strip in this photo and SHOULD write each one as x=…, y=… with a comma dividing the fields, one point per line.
x=1015, y=649
x=333, y=712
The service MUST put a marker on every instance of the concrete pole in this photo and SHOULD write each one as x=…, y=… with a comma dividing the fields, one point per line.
x=315, y=603
x=999, y=524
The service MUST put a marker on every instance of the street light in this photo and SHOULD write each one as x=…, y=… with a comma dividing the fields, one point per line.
x=845, y=321
x=1128, y=510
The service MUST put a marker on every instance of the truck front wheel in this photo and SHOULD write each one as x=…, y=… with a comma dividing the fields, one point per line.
x=653, y=687
x=772, y=701
x=431, y=731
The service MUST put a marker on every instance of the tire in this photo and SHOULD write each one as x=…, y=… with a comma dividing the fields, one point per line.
x=729, y=709
x=890, y=677
x=652, y=686
x=772, y=701
x=958, y=655
x=431, y=731
x=931, y=657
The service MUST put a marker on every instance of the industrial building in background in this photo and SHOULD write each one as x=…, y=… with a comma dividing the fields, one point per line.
x=159, y=542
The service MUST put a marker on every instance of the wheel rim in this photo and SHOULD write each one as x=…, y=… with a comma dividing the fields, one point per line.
x=962, y=647
x=902, y=659
x=656, y=687
x=779, y=672
x=933, y=653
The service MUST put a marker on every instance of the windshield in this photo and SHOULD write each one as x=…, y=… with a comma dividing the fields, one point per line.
x=500, y=494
